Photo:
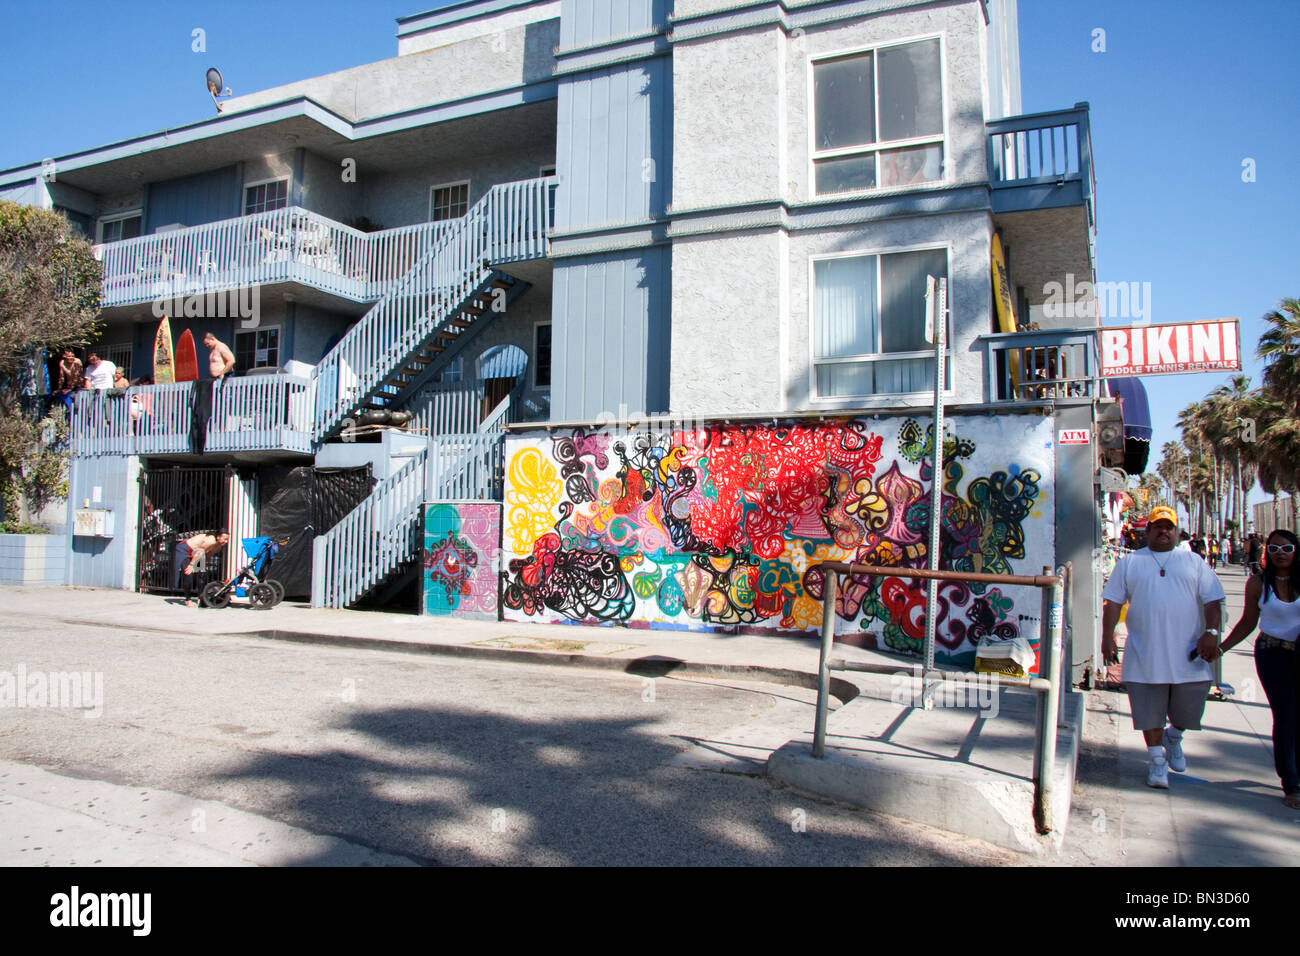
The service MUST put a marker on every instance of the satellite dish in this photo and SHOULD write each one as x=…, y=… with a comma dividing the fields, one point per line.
x=215, y=86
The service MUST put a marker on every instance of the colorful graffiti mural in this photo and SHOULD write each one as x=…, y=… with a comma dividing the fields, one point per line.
x=461, y=560
x=721, y=526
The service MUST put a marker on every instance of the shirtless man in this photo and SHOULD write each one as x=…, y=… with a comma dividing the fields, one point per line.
x=189, y=554
x=221, y=361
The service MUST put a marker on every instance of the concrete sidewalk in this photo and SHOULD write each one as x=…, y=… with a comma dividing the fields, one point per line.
x=1226, y=810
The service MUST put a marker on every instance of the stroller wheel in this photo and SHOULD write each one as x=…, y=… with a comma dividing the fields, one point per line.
x=261, y=596
x=279, y=589
x=215, y=595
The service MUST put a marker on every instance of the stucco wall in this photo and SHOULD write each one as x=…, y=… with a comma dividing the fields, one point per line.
x=728, y=296
x=504, y=59
x=325, y=192
x=742, y=111
x=728, y=117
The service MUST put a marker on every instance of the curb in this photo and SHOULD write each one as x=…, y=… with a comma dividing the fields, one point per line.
x=654, y=665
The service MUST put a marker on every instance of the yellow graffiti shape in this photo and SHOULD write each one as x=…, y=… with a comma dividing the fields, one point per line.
x=534, y=491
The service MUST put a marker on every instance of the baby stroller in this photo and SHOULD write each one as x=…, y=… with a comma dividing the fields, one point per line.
x=250, y=582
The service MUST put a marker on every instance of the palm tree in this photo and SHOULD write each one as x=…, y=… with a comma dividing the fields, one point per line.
x=1276, y=450
x=1280, y=349
x=1173, y=471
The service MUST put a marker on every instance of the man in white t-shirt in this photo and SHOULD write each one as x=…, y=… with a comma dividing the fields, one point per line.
x=1173, y=632
x=99, y=372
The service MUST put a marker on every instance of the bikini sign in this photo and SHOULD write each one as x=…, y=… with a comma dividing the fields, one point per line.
x=1209, y=346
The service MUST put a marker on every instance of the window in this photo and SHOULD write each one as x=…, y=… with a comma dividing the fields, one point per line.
x=119, y=228
x=448, y=202
x=119, y=355
x=542, y=355
x=262, y=197
x=869, y=323
x=453, y=371
x=257, y=348
x=878, y=118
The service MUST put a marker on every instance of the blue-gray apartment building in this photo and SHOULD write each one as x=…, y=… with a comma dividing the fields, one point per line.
x=564, y=212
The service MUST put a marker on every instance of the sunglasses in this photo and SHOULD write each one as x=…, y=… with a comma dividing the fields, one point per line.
x=1281, y=548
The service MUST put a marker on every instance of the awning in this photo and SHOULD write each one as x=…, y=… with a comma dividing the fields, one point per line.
x=1136, y=412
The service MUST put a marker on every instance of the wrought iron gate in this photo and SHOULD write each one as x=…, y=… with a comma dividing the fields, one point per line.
x=176, y=503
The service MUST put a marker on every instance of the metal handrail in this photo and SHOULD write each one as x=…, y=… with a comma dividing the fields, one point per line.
x=1050, y=662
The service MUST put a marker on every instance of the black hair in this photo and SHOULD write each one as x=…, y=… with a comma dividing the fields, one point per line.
x=1270, y=572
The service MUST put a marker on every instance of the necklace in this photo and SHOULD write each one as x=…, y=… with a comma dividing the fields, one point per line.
x=1158, y=564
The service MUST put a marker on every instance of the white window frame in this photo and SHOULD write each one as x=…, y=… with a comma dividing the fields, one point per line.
x=433, y=191
x=288, y=192
x=940, y=138
x=534, y=360
x=279, y=345
x=118, y=217
x=875, y=397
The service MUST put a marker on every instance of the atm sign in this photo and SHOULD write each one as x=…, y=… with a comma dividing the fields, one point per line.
x=1074, y=436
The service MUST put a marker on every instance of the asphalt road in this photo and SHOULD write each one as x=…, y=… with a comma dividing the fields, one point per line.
x=244, y=751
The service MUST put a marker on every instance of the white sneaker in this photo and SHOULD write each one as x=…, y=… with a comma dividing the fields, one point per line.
x=1158, y=773
x=1174, y=752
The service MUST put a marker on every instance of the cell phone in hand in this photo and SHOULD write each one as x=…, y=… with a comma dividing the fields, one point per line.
x=1194, y=654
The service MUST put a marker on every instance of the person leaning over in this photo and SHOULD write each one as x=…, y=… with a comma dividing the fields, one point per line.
x=1273, y=603
x=188, y=555
x=1173, y=632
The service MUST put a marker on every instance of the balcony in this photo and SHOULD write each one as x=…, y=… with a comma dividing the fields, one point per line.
x=259, y=413
x=1044, y=203
x=1041, y=365
x=1042, y=161
x=284, y=245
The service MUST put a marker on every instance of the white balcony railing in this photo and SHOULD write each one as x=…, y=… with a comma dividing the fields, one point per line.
x=260, y=412
x=284, y=245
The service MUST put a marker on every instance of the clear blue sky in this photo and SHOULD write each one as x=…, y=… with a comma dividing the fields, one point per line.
x=1185, y=90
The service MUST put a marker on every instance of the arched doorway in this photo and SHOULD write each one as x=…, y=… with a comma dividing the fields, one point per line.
x=500, y=368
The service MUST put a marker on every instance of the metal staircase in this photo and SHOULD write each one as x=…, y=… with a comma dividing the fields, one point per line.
x=424, y=321
x=432, y=311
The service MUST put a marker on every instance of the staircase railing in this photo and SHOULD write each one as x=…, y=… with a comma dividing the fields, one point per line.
x=376, y=537
x=510, y=223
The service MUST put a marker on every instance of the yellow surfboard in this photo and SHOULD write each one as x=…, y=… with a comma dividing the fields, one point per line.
x=1006, y=311
x=164, y=359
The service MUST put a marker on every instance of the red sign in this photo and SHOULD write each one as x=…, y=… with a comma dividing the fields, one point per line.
x=1209, y=346
x=1073, y=436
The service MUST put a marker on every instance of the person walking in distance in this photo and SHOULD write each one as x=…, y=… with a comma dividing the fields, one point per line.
x=1173, y=633
x=1273, y=603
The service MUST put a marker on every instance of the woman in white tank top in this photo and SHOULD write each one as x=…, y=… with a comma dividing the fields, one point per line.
x=1273, y=603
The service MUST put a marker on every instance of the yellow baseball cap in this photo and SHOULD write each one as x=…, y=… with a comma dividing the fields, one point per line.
x=1163, y=513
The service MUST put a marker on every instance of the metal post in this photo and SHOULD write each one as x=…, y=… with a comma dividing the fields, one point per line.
x=824, y=665
x=939, y=309
x=1049, y=659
